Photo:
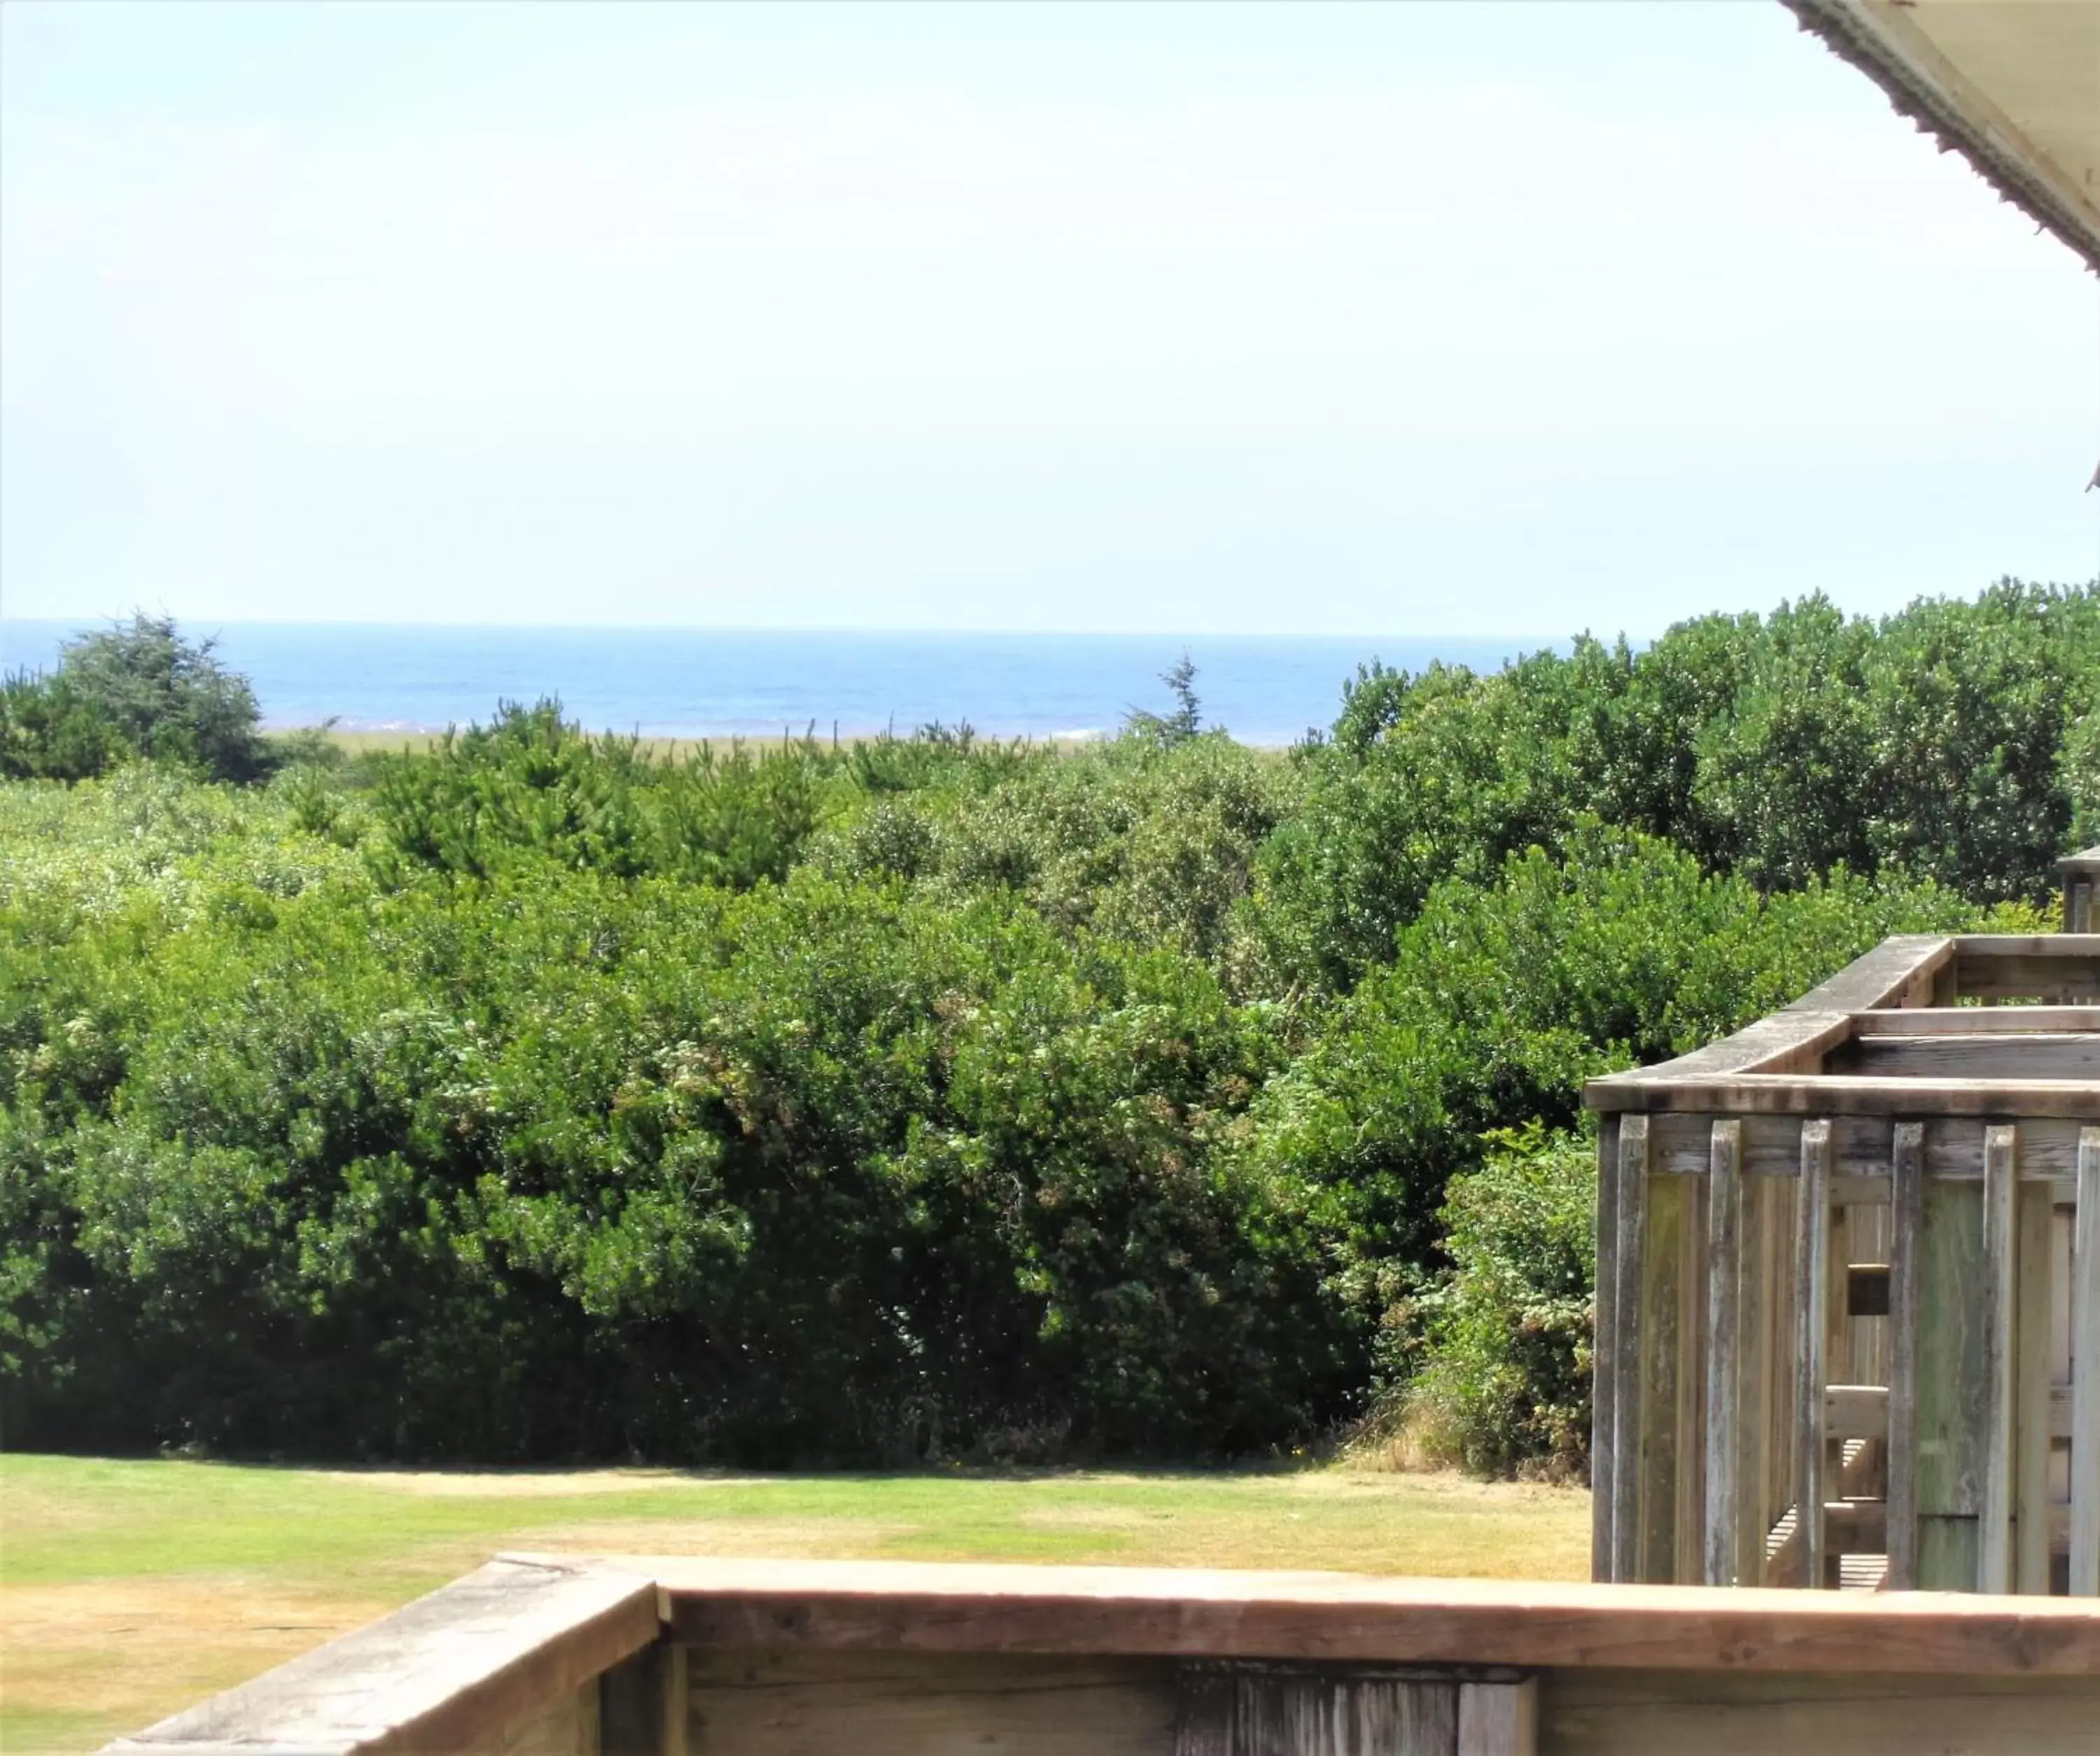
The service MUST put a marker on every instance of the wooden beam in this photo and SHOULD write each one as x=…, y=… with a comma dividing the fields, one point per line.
x=1498, y=1719
x=2008, y=947
x=1907, y=1216
x=1811, y=1276
x=1757, y=1094
x=2033, y=1219
x=642, y=1704
x=2085, y=1373
x=1794, y=1039
x=1661, y=1465
x=1765, y=1327
x=1972, y=1055
x=1855, y=1411
x=1268, y=1710
x=1682, y=1145
x=1604, y=1350
x=2012, y=1021
x=1725, y=1508
x=1344, y=1619
x=1625, y=1364
x=457, y=1670
x=1994, y=1550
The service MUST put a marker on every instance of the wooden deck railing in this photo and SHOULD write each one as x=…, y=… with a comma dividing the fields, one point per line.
x=1848, y=1318
x=564, y=1655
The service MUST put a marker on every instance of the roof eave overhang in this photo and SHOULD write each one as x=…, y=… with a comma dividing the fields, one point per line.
x=1923, y=84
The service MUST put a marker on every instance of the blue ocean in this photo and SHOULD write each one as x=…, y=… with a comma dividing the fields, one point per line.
x=688, y=682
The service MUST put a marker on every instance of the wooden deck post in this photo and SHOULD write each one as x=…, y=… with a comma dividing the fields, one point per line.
x=1603, y=1379
x=1906, y=1244
x=1812, y=1288
x=641, y=1704
x=1725, y=1502
x=2033, y=1221
x=1625, y=1365
x=2085, y=1372
x=1994, y=1546
x=1498, y=1719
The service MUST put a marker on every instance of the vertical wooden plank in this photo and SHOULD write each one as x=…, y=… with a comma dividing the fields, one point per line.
x=1283, y=1712
x=1662, y=1364
x=1755, y=1294
x=1205, y=1716
x=641, y=1704
x=1780, y=1219
x=1625, y=1363
x=1498, y=1719
x=1603, y=1351
x=1906, y=1229
x=2033, y=1261
x=1951, y=1365
x=1812, y=1281
x=1994, y=1537
x=2085, y=1372
x=1688, y=1543
x=1724, y=1511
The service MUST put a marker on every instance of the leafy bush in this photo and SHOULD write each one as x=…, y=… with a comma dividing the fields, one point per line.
x=540, y=1098
x=141, y=688
x=1501, y=1382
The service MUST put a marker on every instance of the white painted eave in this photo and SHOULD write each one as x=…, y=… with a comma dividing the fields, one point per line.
x=2013, y=85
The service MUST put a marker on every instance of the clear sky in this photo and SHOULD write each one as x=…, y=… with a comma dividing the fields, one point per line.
x=1492, y=319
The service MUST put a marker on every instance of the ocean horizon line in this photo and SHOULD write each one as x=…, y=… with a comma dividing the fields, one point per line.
x=418, y=678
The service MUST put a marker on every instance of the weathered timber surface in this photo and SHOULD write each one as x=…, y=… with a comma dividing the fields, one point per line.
x=1883, y=975
x=1811, y=1279
x=2085, y=1460
x=656, y=1656
x=1621, y=1714
x=1880, y=1021
x=1498, y=1719
x=1310, y=1710
x=1725, y=1505
x=928, y=1607
x=1863, y=1146
x=1603, y=1400
x=1623, y=1364
x=1768, y=1094
x=2011, y=1022
x=1906, y=1303
x=787, y=1703
x=507, y=1658
x=1994, y=1562
x=642, y=1704
x=832, y=1704
x=1982, y=1054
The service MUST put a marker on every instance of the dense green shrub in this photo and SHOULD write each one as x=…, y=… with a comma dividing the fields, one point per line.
x=140, y=688
x=540, y=1097
x=49, y=731
x=1778, y=747
x=1500, y=1379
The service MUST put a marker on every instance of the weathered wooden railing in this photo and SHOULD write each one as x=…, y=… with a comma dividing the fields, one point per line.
x=559, y=1656
x=2076, y=875
x=1848, y=1315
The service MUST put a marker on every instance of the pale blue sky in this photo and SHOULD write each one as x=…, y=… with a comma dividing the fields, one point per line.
x=1417, y=319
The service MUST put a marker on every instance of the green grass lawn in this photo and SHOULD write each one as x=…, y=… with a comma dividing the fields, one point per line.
x=129, y=1589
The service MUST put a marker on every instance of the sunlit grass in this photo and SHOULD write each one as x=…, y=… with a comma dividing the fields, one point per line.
x=131, y=1588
